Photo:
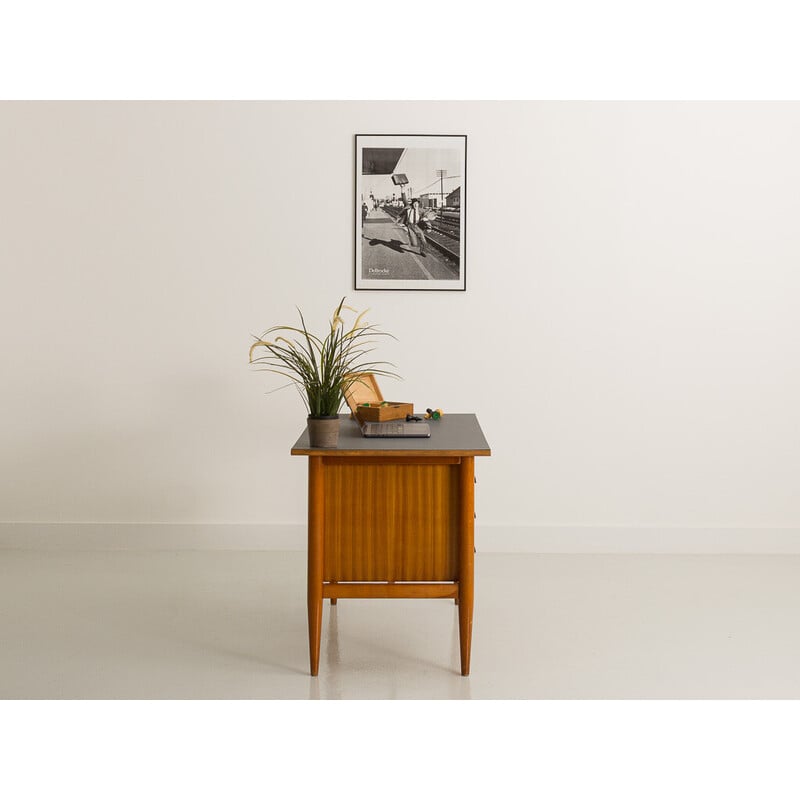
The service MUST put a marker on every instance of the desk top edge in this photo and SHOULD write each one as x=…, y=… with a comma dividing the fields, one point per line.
x=337, y=452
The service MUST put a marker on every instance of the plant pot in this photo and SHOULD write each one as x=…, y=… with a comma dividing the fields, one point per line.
x=323, y=431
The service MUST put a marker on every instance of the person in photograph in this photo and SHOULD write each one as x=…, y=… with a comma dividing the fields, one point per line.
x=364, y=212
x=411, y=216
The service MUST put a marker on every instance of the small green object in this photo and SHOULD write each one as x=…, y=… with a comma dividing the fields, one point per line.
x=365, y=404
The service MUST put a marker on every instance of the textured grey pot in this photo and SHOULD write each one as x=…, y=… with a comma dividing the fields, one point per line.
x=323, y=431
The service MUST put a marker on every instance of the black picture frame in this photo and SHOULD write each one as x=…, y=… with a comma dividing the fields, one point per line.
x=400, y=246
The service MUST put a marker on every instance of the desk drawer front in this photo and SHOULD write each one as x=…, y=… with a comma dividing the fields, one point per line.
x=391, y=522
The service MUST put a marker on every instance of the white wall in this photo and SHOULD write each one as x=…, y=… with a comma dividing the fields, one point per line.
x=629, y=337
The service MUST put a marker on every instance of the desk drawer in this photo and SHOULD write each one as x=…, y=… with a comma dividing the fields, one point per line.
x=391, y=521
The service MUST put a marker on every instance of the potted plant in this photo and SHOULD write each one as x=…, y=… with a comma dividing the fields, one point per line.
x=321, y=368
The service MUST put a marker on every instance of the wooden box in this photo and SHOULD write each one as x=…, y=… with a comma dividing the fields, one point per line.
x=367, y=404
x=384, y=412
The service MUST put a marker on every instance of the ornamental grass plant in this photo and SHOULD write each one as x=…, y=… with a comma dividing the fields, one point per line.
x=321, y=368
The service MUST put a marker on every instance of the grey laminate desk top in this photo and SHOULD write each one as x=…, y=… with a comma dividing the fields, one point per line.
x=453, y=434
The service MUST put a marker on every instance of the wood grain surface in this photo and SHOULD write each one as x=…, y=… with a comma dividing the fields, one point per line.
x=373, y=528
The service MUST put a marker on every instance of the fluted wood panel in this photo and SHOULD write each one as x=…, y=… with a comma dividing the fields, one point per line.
x=374, y=530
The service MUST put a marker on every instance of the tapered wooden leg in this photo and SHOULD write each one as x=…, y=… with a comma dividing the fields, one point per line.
x=466, y=558
x=316, y=511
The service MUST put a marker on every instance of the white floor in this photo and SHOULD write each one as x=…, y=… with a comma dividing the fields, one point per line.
x=206, y=624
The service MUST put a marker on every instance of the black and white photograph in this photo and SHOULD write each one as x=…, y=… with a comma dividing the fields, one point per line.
x=410, y=212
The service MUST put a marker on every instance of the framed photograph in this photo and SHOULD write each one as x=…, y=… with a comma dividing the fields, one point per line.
x=410, y=212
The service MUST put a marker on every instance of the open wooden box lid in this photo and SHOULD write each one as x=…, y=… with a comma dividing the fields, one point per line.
x=366, y=390
x=363, y=390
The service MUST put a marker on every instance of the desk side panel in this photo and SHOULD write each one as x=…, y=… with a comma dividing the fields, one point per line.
x=391, y=522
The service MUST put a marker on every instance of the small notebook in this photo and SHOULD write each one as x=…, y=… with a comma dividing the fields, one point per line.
x=396, y=430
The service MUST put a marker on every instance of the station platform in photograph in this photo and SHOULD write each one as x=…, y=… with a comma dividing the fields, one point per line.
x=387, y=254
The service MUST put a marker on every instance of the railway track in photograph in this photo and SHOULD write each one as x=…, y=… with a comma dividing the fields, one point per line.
x=444, y=234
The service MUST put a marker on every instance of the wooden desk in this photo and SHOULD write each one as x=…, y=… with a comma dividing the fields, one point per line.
x=393, y=518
